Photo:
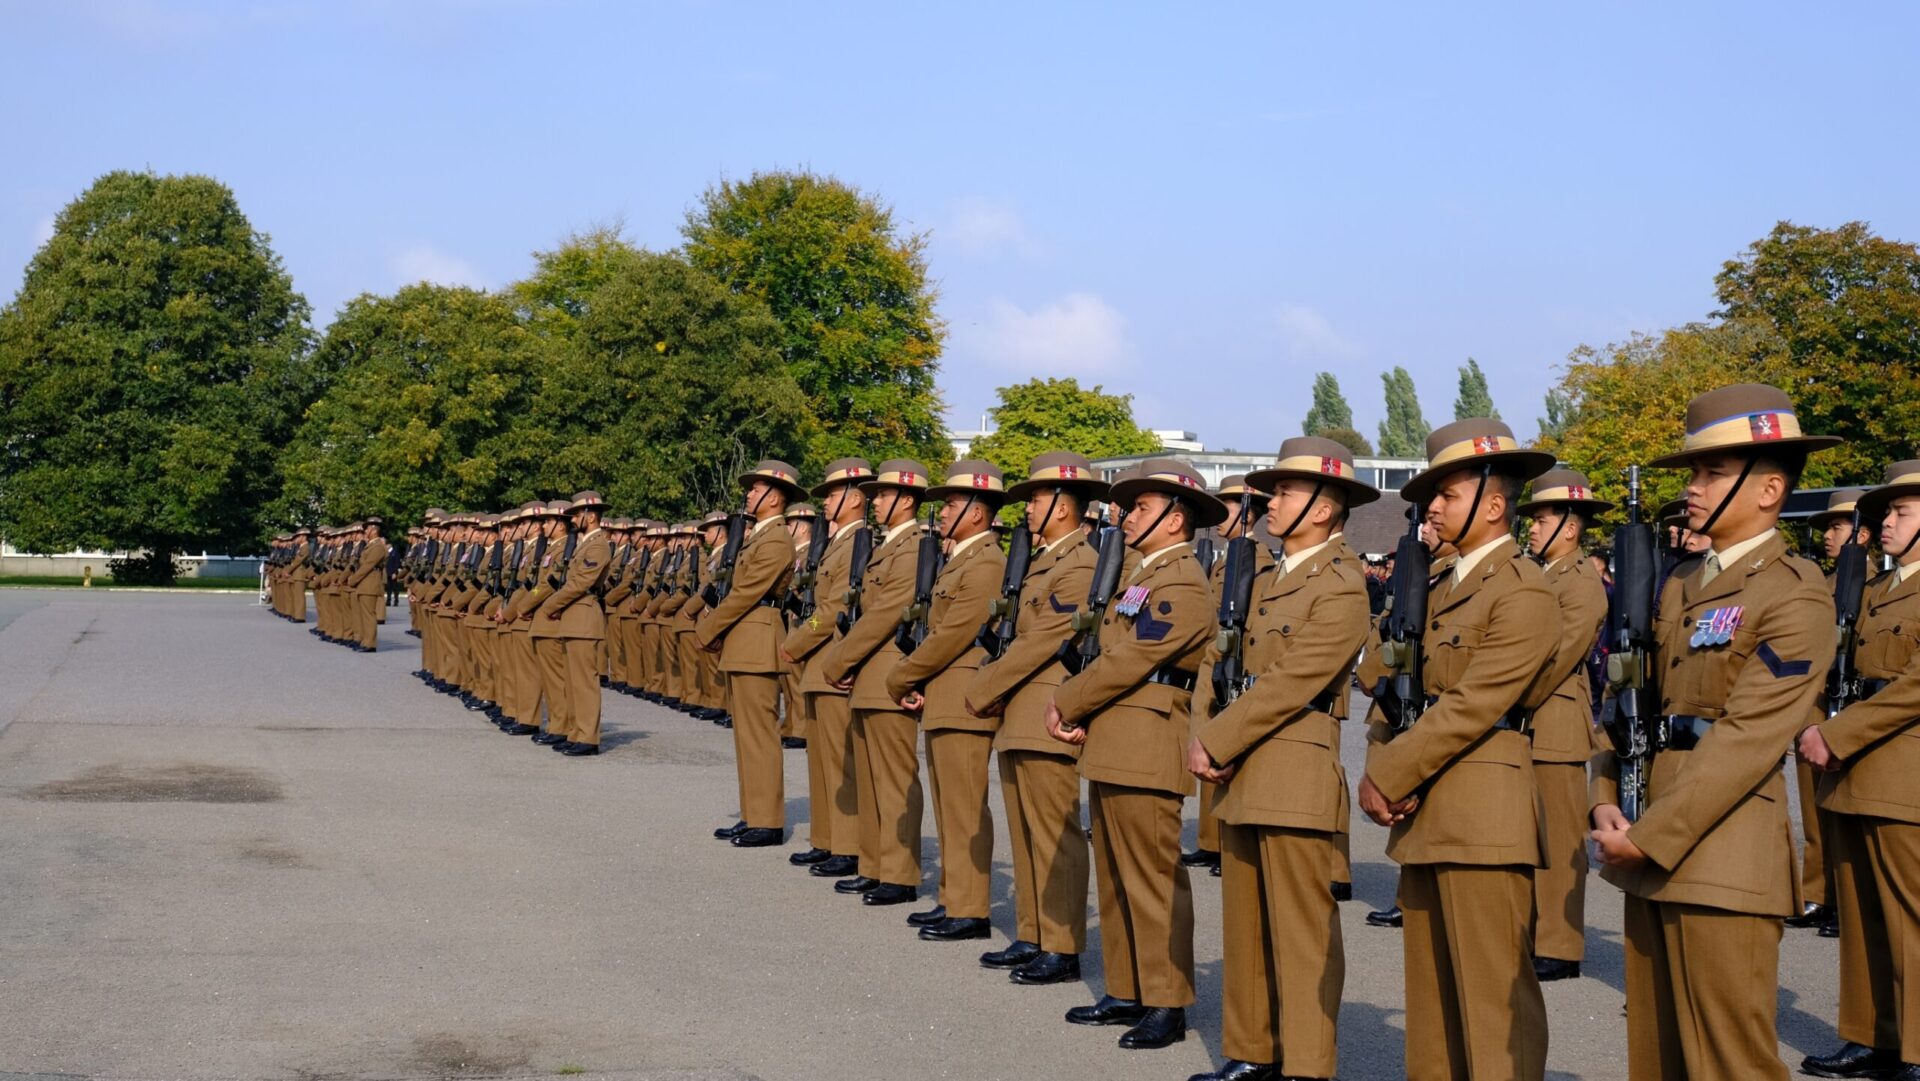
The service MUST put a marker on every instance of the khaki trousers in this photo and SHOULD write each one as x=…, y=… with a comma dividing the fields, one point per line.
x=833, y=800
x=1816, y=877
x=551, y=655
x=957, y=764
x=651, y=678
x=584, y=663
x=686, y=649
x=372, y=606
x=752, y=698
x=1474, y=1008
x=793, y=707
x=1146, y=899
x=1042, y=797
x=300, y=602
x=1286, y=963
x=887, y=770
x=1560, y=888
x=1876, y=864
x=1209, y=839
x=520, y=690
x=1701, y=984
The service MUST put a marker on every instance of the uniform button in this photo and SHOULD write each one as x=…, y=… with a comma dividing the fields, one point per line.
x=1286, y=629
x=1263, y=611
x=1436, y=624
x=1456, y=639
x=1674, y=663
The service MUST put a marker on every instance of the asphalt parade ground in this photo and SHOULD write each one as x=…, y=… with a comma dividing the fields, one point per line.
x=229, y=850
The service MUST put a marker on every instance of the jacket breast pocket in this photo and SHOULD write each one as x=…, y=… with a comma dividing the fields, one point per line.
x=1448, y=648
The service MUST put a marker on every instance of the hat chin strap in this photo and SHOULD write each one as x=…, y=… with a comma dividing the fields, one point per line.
x=1727, y=501
x=1540, y=556
x=1148, y=532
x=1318, y=486
x=1479, y=493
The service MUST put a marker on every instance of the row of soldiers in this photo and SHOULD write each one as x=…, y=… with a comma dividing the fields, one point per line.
x=1110, y=655
x=345, y=567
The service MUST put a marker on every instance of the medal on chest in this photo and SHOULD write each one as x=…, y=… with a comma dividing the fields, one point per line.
x=1716, y=627
x=1131, y=601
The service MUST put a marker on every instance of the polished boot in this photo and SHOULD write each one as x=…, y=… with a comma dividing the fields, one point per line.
x=1200, y=857
x=857, y=884
x=759, y=837
x=588, y=750
x=1163, y=1026
x=1342, y=891
x=1810, y=916
x=1831, y=928
x=928, y=918
x=1047, y=968
x=548, y=739
x=1385, y=918
x=888, y=893
x=835, y=867
x=1107, y=1011
x=1852, y=1060
x=793, y=743
x=520, y=730
x=560, y=747
x=727, y=833
x=1235, y=1070
x=1549, y=969
x=1907, y=1072
x=1013, y=956
x=957, y=929
x=809, y=857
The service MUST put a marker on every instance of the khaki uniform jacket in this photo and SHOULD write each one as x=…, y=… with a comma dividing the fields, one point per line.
x=946, y=662
x=528, y=598
x=866, y=651
x=622, y=563
x=1136, y=728
x=752, y=629
x=806, y=641
x=1563, y=725
x=580, y=613
x=1879, y=737
x=1056, y=587
x=301, y=568
x=1485, y=653
x=1715, y=827
x=1302, y=636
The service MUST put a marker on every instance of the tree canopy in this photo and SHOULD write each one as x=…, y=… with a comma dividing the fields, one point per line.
x=1474, y=400
x=1404, y=433
x=1059, y=414
x=1329, y=408
x=151, y=365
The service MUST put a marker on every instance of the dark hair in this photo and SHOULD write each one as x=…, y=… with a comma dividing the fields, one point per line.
x=1186, y=509
x=1510, y=485
x=1791, y=462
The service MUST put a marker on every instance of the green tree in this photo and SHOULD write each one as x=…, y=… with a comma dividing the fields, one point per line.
x=1475, y=400
x=555, y=296
x=670, y=386
x=1329, y=409
x=858, y=331
x=1349, y=438
x=1404, y=433
x=1846, y=305
x=431, y=381
x=1059, y=414
x=1554, y=424
x=152, y=362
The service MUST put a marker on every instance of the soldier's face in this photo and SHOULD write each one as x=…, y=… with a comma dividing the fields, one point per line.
x=1452, y=505
x=1289, y=498
x=1713, y=480
x=1837, y=534
x=957, y=514
x=1551, y=522
x=1142, y=516
x=1901, y=523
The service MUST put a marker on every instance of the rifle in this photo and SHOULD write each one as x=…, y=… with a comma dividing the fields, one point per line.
x=1402, y=693
x=496, y=559
x=612, y=578
x=1629, y=716
x=804, y=595
x=722, y=583
x=512, y=579
x=559, y=575
x=1230, y=676
x=996, y=634
x=1203, y=551
x=539, y=558
x=1079, y=651
x=1849, y=591
x=861, y=555
x=926, y=570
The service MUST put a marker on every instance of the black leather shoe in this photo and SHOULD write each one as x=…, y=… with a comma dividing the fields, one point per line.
x=725, y=720
x=1200, y=857
x=1107, y=1011
x=1831, y=928
x=1386, y=918
x=928, y=918
x=520, y=730
x=365, y=649
x=888, y=893
x=1907, y=1072
x=666, y=701
x=1214, y=871
x=548, y=739
x=586, y=750
x=835, y=867
x=1013, y=956
x=604, y=681
x=1163, y=1026
x=1852, y=1060
x=957, y=930
x=561, y=747
x=1047, y=968
x=857, y=884
x=1549, y=969
x=1810, y=916
x=1342, y=891
x=1236, y=1070
x=759, y=837
x=793, y=743
x=726, y=833
x=809, y=857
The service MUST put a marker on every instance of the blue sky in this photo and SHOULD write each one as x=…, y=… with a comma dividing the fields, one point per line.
x=1200, y=205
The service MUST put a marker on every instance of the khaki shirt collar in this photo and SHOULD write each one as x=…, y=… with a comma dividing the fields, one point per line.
x=764, y=524
x=1732, y=556
x=1078, y=536
x=1169, y=550
x=969, y=542
x=1288, y=562
x=1469, y=560
x=899, y=529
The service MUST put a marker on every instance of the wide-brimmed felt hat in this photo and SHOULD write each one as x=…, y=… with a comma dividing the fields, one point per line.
x=684, y=529
x=1173, y=477
x=843, y=471
x=1564, y=486
x=373, y=519
x=903, y=473
x=803, y=510
x=1902, y=478
x=588, y=500
x=1312, y=458
x=974, y=477
x=1743, y=417
x=777, y=473
x=713, y=518
x=1840, y=504
x=1060, y=469
x=1672, y=512
x=1475, y=442
x=558, y=508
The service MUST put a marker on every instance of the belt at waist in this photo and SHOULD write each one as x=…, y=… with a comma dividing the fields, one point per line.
x=1517, y=719
x=1871, y=687
x=770, y=602
x=1177, y=678
x=1684, y=733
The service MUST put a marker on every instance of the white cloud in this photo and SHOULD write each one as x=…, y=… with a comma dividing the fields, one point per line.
x=1308, y=336
x=422, y=263
x=981, y=227
x=1078, y=334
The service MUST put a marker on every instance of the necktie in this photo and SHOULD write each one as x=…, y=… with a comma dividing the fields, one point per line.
x=1712, y=570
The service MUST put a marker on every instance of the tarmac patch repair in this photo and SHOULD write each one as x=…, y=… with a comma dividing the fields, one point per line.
x=187, y=782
